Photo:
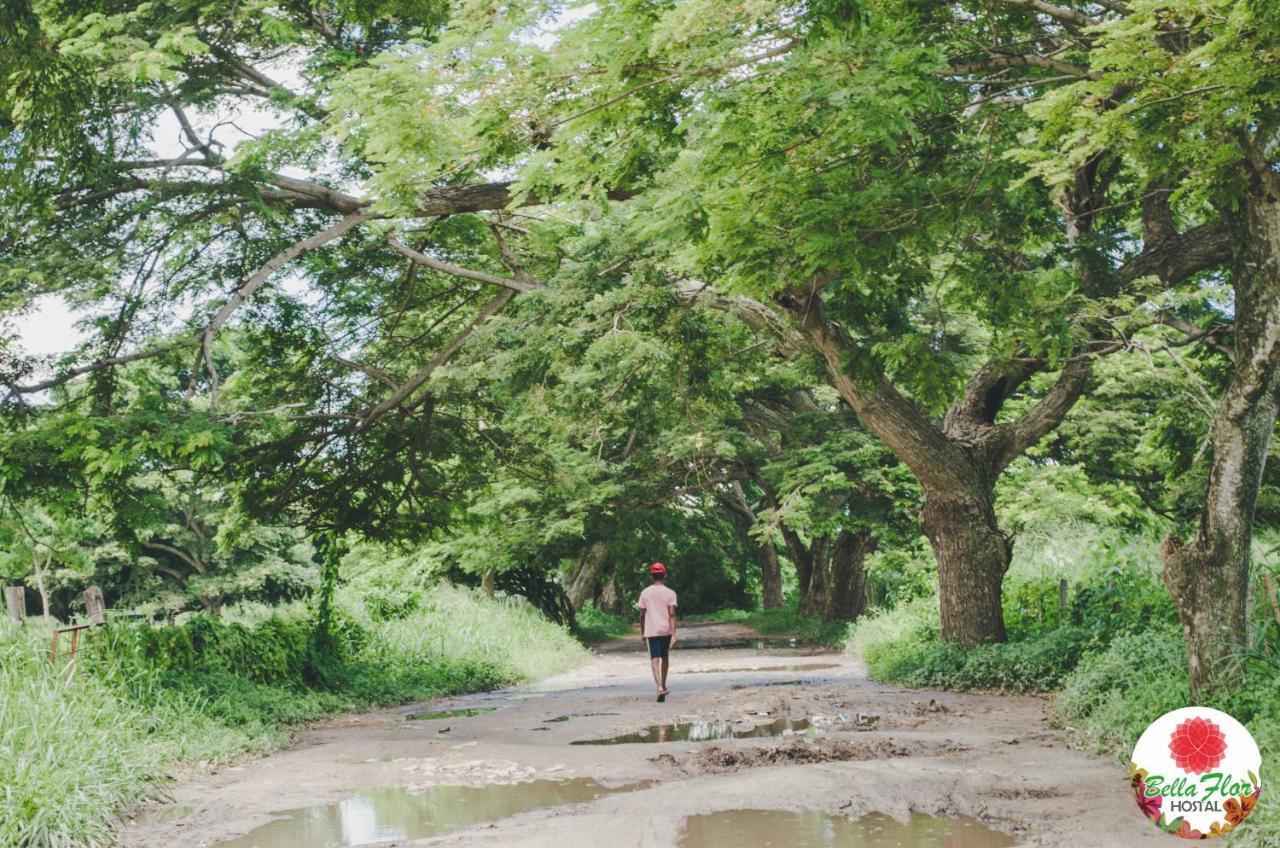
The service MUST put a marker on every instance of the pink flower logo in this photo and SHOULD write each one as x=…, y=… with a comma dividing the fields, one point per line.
x=1197, y=745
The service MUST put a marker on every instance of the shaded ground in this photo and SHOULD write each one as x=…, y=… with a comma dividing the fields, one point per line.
x=871, y=748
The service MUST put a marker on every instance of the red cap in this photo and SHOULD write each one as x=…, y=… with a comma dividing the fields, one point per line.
x=657, y=568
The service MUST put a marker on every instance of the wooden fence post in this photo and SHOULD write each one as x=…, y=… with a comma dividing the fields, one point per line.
x=1062, y=602
x=15, y=598
x=95, y=605
x=1272, y=595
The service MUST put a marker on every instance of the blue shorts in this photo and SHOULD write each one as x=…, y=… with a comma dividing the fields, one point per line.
x=659, y=647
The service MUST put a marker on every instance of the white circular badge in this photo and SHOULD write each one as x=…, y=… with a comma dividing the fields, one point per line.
x=1195, y=773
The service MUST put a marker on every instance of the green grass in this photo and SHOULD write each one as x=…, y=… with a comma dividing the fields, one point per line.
x=1112, y=695
x=783, y=622
x=596, y=625
x=73, y=754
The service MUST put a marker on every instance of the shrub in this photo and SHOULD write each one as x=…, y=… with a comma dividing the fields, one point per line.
x=1113, y=695
x=595, y=625
x=883, y=637
x=1038, y=664
x=73, y=754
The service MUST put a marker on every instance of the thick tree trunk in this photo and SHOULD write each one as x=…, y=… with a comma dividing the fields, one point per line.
x=1209, y=576
x=609, y=598
x=770, y=575
x=800, y=560
x=813, y=595
x=846, y=592
x=584, y=580
x=973, y=556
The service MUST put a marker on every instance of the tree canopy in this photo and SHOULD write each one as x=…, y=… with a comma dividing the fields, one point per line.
x=531, y=282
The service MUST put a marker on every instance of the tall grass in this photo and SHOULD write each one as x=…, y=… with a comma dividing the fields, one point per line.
x=1111, y=697
x=74, y=753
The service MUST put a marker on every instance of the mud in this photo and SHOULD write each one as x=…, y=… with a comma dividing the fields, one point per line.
x=870, y=749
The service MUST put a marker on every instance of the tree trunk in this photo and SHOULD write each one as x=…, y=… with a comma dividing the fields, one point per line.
x=813, y=595
x=584, y=581
x=973, y=556
x=734, y=499
x=800, y=560
x=1209, y=576
x=846, y=594
x=609, y=598
x=770, y=575
x=40, y=584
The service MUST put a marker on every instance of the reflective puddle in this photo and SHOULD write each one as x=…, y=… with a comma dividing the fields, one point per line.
x=756, y=644
x=751, y=828
x=702, y=731
x=463, y=713
x=394, y=814
x=808, y=667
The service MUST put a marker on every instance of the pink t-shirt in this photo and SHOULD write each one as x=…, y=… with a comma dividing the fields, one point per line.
x=657, y=602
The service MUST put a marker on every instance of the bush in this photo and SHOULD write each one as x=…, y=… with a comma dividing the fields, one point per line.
x=1113, y=695
x=1038, y=664
x=73, y=754
x=595, y=625
x=881, y=638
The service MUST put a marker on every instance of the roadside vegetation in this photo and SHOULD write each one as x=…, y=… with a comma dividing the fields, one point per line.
x=880, y=313
x=148, y=700
x=1113, y=663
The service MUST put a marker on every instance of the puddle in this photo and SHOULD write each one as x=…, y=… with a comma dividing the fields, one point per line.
x=756, y=644
x=394, y=814
x=809, y=667
x=749, y=828
x=463, y=713
x=165, y=815
x=703, y=731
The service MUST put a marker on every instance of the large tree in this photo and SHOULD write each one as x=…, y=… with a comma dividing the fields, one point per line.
x=837, y=175
x=1183, y=98
x=843, y=176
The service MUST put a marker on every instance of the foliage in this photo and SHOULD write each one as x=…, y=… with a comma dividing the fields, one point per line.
x=596, y=625
x=1111, y=697
x=1035, y=664
x=784, y=621
x=145, y=697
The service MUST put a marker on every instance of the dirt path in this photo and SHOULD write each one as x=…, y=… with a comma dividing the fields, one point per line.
x=873, y=748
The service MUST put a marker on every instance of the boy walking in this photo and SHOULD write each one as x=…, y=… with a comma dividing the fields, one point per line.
x=658, y=625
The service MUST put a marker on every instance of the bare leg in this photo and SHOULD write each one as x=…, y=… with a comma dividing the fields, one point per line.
x=662, y=686
x=658, y=673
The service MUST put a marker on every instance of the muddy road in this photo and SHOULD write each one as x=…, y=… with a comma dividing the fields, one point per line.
x=759, y=743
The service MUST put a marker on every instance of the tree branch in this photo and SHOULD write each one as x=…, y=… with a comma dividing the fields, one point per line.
x=1002, y=61
x=490, y=309
x=252, y=284
x=1058, y=13
x=527, y=284
x=1016, y=437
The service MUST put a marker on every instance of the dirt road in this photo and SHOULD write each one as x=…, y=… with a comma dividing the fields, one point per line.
x=842, y=745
